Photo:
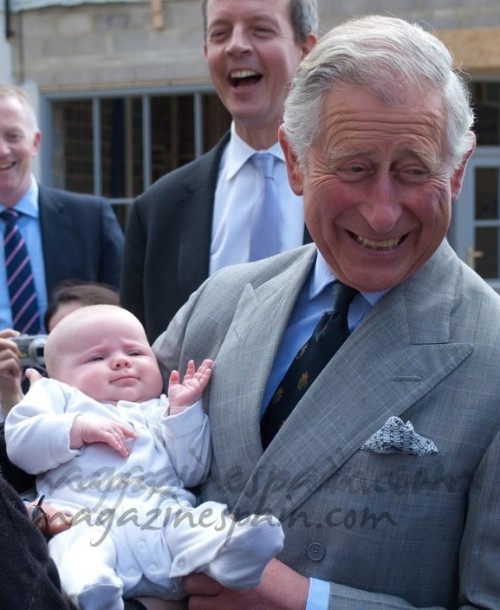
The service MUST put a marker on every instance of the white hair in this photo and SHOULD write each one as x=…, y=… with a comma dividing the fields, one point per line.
x=385, y=56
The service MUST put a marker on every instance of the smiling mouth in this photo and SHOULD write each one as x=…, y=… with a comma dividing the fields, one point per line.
x=380, y=245
x=6, y=165
x=241, y=78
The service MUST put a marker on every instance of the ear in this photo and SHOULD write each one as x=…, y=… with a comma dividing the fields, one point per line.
x=294, y=172
x=458, y=174
x=308, y=44
x=37, y=141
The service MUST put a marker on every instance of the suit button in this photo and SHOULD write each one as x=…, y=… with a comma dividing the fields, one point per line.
x=316, y=551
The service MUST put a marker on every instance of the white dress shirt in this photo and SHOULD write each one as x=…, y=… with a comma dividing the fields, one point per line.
x=239, y=187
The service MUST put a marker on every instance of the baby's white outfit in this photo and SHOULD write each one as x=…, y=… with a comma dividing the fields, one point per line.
x=135, y=529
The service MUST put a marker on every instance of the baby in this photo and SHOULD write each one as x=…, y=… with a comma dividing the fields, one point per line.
x=110, y=449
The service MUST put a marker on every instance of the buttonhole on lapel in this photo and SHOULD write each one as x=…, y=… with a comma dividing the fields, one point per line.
x=406, y=378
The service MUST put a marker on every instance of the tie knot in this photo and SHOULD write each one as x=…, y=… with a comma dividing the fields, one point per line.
x=342, y=298
x=9, y=216
x=264, y=162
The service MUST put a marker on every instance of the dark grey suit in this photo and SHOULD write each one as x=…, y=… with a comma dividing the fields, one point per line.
x=392, y=530
x=167, y=241
x=81, y=237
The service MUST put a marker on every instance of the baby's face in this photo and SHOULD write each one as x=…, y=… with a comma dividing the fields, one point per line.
x=108, y=358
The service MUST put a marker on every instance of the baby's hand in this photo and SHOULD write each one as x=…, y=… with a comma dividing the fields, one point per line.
x=95, y=429
x=190, y=390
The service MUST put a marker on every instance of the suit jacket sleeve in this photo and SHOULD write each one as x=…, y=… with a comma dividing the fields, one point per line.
x=29, y=577
x=82, y=238
x=134, y=256
x=111, y=247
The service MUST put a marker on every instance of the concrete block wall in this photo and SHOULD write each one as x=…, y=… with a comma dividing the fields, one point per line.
x=106, y=46
x=101, y=46
x=440, y=14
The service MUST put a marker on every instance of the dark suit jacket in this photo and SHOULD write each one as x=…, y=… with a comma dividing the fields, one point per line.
x=81, y=236
x=29, y=577
x=167, y=241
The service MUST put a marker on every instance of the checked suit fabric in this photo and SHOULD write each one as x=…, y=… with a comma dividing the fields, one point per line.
x=328, y=336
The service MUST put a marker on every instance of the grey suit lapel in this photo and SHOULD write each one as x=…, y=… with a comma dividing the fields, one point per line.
x=410, y=353
x=250, y=349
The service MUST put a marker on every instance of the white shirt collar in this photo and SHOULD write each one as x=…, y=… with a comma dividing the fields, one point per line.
x=237, y=153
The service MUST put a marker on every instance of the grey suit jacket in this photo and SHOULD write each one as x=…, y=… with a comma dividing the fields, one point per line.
x=387, y=530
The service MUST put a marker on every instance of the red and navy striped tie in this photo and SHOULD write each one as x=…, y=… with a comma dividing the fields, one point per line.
x=22, y=294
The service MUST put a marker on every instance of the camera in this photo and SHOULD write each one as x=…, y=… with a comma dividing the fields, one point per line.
x=31, y=348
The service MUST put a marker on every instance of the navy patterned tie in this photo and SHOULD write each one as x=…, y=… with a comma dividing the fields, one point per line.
x=330, y=333
x=265, y=236
x=22, y=294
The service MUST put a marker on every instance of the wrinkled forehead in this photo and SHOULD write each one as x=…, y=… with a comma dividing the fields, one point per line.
x=351, y=115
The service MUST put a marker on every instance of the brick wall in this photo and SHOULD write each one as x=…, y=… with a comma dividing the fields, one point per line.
x=99, y=46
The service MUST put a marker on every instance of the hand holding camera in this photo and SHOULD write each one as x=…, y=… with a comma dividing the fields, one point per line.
x=12, y=364
x=31, y=348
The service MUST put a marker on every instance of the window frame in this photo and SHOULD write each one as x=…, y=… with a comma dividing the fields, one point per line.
x=47, y=99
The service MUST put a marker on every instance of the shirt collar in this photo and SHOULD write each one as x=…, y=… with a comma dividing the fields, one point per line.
x=28, y=204
x=238, y=152
x=322, y=277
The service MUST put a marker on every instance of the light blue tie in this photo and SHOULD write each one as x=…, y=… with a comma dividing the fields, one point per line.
x=265, y=238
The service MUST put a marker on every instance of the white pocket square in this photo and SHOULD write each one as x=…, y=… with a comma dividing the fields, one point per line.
x=397, y=437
